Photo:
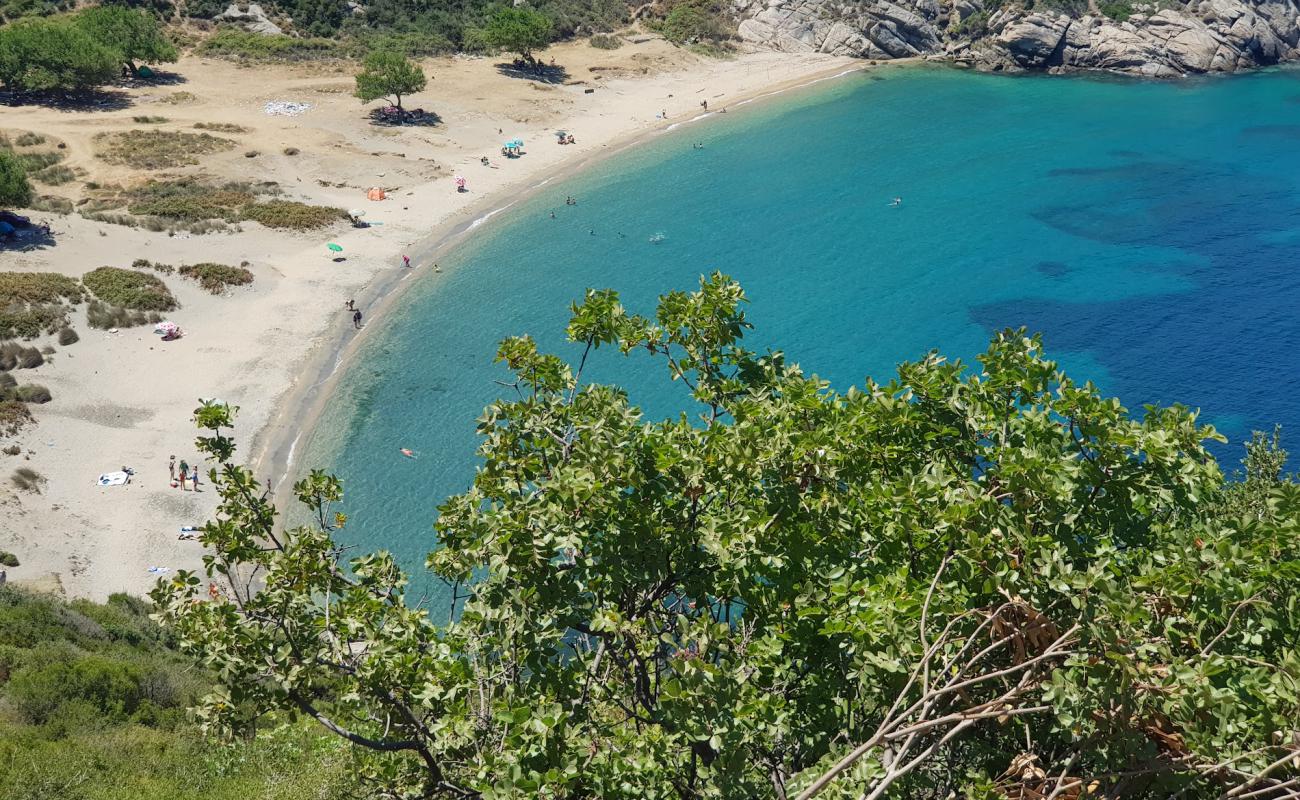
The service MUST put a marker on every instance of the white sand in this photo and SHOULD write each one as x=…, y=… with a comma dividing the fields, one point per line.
x=128, y=398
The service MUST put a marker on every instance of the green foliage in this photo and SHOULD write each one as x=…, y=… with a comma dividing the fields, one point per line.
x=388, y=74
x=130, y=289
x=316, y=17
x=516, y=29
x=963, y=582
x=15, y=189
x=11, y=10
x=603, y=41
x=8, y=559
x=191, y=200
x=221, y=127
x=132, y=33
x=975, y=24
x=1118, y=10
x=155, y=149
x=692, y=22
x=33, y=303
x=94, y=699
x=292, y=215
x=68, y=336
x=241, y=45
x=216, y=278
x=33, y=393
x=42, y=55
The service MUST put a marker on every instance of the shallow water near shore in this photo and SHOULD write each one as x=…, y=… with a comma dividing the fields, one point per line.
x=1148, y=230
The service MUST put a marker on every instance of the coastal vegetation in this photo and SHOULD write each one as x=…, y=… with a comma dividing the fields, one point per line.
x=35, y=303
x=984, y=581
x=517, y=29
x=216, y=278
x=15, y=188
x=129, y=289
x=93, y=704
x=132, y=33
x=291, y=214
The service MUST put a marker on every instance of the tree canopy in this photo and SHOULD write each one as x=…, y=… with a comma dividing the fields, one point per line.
x=15, y=188
x=132, y=33
x=516, y=29
x=979, y=581
x=388, y=74
x=39, y=55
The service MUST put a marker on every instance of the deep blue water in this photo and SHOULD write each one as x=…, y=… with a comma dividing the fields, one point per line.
x=1148, y=230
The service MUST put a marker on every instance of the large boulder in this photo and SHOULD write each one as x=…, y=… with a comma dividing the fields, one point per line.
x=252, y=19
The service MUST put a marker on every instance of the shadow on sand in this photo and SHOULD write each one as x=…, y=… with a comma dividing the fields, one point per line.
x=535, y=71
x=391, y=117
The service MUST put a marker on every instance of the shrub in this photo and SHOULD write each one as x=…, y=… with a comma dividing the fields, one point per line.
x=1118, y=10
x=130, y=289
x=604, y=41
x=39, y=287
x=216, y=277
x=52, y=204
x=103, y=316
x=292, y=215
x=388, y=74
x=14, y=416
x=291, y=151
x=192, y=199
x=29, y=139
x=244, y=46
x=68, y=336
x=158, y=149
x=179, y=98
x=149, y=120
x=56, y=175
x=7, y=382
x=33, y=393
x=15, y=189
x=8, y=559
x=12, y=450
x=28, y=479
x=19, y=321
x=516, y=29
x=144, y=263
x=29, y=358
x=42, y=55
x=221, y=127
x=689, y=22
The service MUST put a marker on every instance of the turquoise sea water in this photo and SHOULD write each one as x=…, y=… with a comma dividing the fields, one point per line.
x=1149, y=230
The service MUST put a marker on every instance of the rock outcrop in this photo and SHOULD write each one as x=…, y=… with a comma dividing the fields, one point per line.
x=1200, y=36
x=254, y=19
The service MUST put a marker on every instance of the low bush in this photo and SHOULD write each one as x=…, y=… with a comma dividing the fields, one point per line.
x=39, y=287
x=7, y=382
x=156, y=266
x=14, y=416
x=112, y=219
x=179, y=98
x=29, y=139
x=292, y=215
x=129, y=289
x=605, y=41
x=12, y=450
x=56, y=175
x=291, y=151
x=103, y=316
x=221, y=127
x=52, y=204
x=33, y=393
x=8, y=559
x=28, y=479
x=158, y=149
x=149, y=120
x=68, y=336
x=216, y=277
x=15, y=188
x=39, y=160
x=18, y=321
x=241, y=45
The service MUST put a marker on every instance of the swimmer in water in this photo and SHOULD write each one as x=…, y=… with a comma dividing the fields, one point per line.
x=896, y=202
x=408, y=453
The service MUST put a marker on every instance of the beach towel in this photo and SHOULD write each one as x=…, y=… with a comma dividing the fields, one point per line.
x=113, y=478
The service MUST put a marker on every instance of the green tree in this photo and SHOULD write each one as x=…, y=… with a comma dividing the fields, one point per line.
x=516, y=29
x=133, y=34
x=986, y=582
x=386, y=74
x=40, y=55
x=15, y=189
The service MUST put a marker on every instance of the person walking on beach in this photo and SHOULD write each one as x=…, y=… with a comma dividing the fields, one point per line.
x=356, y=319
x=705, y=103
x=351, y=304
x=171, y=470
x=194, y=477
x=185, y=468
x=406, y=261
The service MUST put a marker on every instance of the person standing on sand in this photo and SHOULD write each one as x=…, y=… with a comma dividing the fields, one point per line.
x=406, y=261
x=705, y=103
x=356, y=319
x=185, y=468
x=171, y=470
x=194, y=477
x=350, y=305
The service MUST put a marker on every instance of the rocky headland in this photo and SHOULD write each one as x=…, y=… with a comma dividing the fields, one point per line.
x=1156, y=39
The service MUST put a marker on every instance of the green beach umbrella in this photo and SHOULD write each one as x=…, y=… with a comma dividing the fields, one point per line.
x=335, y=248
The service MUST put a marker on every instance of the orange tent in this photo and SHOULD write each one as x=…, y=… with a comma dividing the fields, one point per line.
x=376, y=193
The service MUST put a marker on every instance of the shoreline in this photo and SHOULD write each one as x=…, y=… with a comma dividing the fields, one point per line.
x=277, y=443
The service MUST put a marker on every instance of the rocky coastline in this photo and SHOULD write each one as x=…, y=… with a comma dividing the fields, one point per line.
x=1153, y=39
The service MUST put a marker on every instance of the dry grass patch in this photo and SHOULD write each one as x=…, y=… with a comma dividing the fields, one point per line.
x=221, y=127
x=158, y=149
x=14, y=416
x=178, y=98
x=105, y=317
x=28, y=479
x=33, y=303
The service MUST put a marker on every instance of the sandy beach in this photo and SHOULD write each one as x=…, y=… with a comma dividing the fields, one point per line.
x=273, y=348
